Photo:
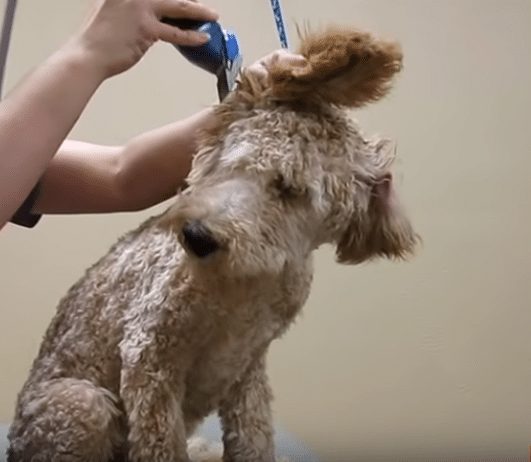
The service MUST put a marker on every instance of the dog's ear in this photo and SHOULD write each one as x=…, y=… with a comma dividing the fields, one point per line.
x=383, y=230
x=344, y=67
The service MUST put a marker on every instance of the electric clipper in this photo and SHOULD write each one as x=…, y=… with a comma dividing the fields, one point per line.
x=220, y=56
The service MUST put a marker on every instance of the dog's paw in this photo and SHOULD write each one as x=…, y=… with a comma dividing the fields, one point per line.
x=201, y=450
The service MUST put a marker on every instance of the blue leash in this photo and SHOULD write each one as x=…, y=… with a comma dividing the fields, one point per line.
x=279, y=20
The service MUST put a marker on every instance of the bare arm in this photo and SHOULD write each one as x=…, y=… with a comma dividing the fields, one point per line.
x=37, y=116
x=89, y=178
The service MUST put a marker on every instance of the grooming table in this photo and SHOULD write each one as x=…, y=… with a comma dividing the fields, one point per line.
x=287, y=445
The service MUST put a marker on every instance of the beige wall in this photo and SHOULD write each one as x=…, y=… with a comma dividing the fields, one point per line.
x=426, y=359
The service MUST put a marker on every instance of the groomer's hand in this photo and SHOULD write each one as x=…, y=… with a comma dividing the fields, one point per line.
x=118, y=33
x=282, y=57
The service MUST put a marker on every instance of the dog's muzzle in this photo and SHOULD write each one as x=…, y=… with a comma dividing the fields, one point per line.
x=198, y=239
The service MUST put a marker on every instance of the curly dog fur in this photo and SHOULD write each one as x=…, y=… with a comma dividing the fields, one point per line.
x=175, y=321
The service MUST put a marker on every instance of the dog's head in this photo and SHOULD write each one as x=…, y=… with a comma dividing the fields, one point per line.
x=286, y=170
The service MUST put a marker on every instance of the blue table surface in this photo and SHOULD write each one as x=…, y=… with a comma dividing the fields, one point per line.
x=287, y=445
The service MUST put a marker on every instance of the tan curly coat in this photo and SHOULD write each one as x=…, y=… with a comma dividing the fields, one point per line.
x=175, y=322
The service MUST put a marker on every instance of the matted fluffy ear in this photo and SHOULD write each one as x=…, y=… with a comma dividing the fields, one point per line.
x=384, y=230
x=385, y=233
x=345, y=67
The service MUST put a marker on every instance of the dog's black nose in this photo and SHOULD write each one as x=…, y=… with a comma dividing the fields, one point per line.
x=198, y=239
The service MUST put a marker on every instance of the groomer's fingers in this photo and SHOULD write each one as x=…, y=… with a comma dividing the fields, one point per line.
x=185, y=9
x=284, y=57
x=176, y=36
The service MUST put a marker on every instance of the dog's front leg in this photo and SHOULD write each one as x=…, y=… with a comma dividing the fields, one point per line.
x=152, y=401
x=246, y=418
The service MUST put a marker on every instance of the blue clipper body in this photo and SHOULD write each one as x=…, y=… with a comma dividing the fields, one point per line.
x=220, y=56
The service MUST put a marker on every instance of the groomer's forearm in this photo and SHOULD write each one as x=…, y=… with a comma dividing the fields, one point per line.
x=81, y=178
x=90, y=178
x=155, y=164
x=36, y=117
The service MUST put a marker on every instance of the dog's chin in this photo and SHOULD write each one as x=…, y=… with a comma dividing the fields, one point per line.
x=249, y=264
x=228, y=264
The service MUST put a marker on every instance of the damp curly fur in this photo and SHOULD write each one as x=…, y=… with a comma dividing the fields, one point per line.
x=152, y=338
x=344, y=66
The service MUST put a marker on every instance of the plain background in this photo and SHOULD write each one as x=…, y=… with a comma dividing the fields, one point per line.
x=413, y=361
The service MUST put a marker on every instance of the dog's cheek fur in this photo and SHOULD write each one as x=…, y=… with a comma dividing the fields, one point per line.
x=248, y=258
x=264, y=247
